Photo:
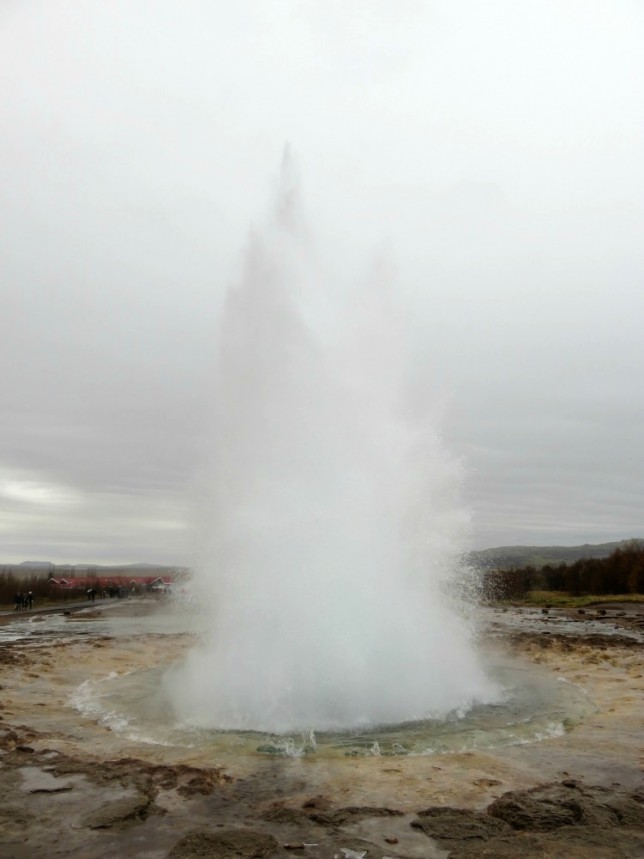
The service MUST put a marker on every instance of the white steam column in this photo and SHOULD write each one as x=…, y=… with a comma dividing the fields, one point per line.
x=333, y=524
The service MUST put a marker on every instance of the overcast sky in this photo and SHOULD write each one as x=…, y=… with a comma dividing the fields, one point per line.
x=492, y=150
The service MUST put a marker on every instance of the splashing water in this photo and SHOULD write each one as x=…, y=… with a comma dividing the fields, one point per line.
x=333, y=524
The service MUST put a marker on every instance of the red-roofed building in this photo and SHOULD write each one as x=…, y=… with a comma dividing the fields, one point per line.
x=139, y=583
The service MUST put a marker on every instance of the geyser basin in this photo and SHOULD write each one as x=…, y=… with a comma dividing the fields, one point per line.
x=332, y=530
x=534, y=706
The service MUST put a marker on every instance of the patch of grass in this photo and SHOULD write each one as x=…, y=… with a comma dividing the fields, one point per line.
x=563, y=600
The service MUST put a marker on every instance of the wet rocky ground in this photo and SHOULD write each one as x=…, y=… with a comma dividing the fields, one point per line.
x=52, y=805
x=73, y=789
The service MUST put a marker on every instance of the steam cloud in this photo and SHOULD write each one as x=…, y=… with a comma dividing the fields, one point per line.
x=332, y=526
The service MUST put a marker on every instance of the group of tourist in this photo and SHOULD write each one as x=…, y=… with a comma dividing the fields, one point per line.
x=24, y=601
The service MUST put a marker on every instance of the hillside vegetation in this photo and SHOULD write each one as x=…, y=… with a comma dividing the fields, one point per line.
x=622, y=572
x=514, y=557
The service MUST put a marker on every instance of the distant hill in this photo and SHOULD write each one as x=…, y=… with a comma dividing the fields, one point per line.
x=498, y=558
x=507, y=557
x=44, y=568
x=37, y=565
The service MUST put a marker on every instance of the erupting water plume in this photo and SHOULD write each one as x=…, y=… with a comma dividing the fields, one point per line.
x=333, y=525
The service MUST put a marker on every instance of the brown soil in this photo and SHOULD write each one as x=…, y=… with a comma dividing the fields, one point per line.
x=70, y=787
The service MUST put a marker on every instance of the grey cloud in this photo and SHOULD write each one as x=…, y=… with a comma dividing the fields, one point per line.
x=493, y=149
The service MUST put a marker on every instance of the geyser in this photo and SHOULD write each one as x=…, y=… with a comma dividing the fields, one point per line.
x=332, y=521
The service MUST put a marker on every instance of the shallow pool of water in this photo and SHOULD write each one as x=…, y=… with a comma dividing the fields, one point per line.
x=534, y=706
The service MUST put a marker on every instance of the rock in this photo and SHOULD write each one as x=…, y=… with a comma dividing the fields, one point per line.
x=564, y=819
x=317, y=802
x=576, y=843
x=458, y=825
x=204, y=783
x=291, y=816
x=8, y=739
x=226, y=844
x=551, y=806
x=131, y=809
x=354, y=813
x=339, y=817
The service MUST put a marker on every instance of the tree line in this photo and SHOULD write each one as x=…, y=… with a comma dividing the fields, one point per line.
x=622, y=572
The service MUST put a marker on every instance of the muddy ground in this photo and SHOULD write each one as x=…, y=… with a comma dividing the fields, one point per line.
x=70, y=786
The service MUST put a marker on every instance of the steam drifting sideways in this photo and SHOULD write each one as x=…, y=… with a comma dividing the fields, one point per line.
x=332, y=528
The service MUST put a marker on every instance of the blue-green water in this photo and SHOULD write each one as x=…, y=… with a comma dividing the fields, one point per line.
x=534, y=706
